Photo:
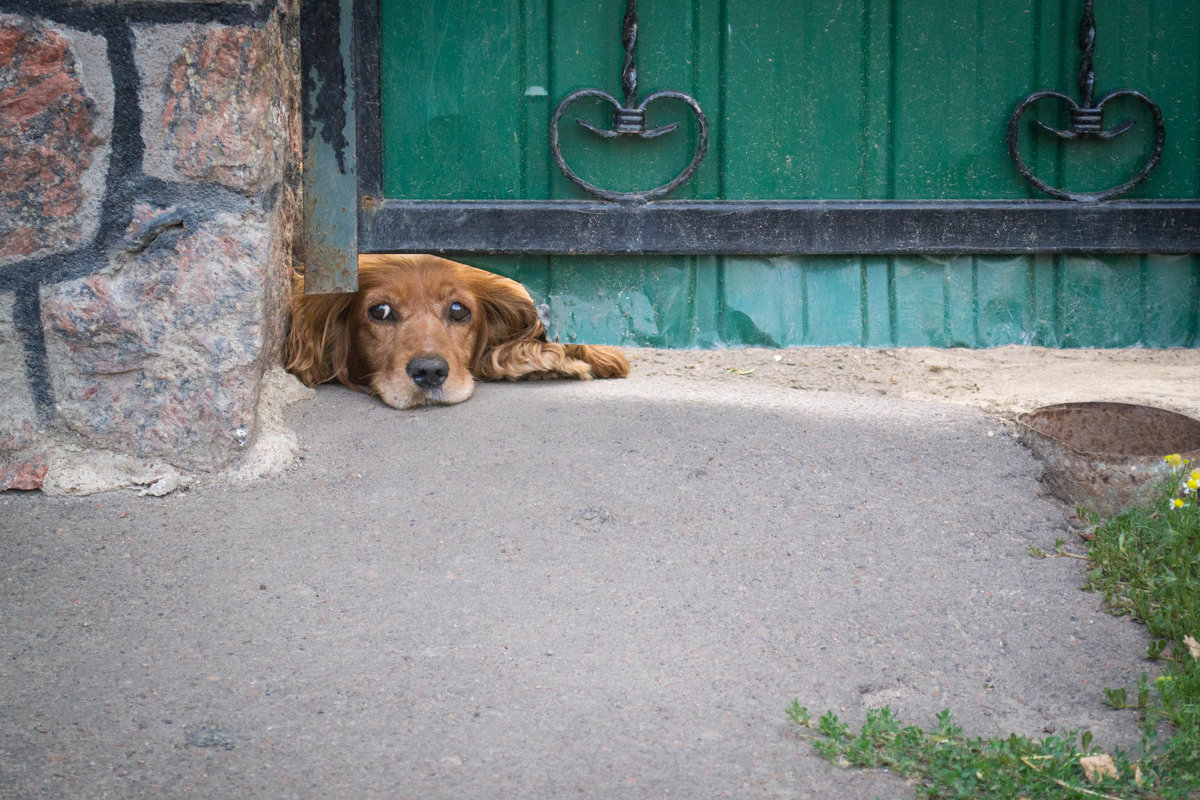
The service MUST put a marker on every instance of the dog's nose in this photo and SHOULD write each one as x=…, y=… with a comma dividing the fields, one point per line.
x=428, y=371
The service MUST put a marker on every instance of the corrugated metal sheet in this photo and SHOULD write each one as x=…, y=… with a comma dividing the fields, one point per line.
x=826, y=99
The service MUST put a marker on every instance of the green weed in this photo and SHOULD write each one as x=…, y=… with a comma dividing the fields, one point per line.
x=1146, y=563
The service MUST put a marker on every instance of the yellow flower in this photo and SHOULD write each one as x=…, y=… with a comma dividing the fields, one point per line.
x=1174, y=460
x=1194, y=475
x=1177, y=503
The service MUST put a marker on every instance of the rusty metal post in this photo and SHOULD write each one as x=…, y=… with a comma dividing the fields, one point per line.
x=329, y=250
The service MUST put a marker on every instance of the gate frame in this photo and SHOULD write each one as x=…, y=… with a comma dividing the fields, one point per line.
x=345, y=212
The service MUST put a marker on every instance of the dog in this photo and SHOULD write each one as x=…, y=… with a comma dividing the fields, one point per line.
x=421, y=330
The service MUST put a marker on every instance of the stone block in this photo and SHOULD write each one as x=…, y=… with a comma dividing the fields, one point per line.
x=161, y=353
x=214, y=103
x=52, y=137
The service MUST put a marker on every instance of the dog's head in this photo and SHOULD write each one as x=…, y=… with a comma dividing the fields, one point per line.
x=412, y=333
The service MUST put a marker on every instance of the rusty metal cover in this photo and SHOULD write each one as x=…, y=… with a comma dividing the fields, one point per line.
x=1107, y=457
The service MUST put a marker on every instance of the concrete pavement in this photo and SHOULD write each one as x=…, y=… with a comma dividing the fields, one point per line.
x=611, y=589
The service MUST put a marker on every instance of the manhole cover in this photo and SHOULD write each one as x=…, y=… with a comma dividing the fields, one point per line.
x=1107, y=456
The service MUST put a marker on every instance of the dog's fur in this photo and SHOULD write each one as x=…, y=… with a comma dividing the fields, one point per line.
x=421, y=329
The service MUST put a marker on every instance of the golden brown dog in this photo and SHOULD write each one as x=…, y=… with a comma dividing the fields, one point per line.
x=421, y=329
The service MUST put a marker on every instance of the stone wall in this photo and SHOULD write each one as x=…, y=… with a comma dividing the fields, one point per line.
x=150, y=163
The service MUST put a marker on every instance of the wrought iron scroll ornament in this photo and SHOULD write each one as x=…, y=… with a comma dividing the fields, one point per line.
x=629, y=119
x=1087, y=120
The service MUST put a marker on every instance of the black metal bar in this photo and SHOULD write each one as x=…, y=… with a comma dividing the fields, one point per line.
x=629, y=31
x=781, y=227
x=369, y=106
x=1087, y=46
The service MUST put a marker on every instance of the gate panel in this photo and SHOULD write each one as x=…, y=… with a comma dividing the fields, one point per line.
x=829, y=101
x=452, y=82
x=957, y=71
x=1177, y=321
x=965, y=301
x=795, y=122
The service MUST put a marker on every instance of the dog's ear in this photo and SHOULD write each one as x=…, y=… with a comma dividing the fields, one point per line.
x=508, y=312
x=318, y=343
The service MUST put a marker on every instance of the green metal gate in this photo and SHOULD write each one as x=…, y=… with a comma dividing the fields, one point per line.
x=854, y=186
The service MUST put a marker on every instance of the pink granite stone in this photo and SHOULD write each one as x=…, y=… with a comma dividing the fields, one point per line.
x=223, y=111
x=47, y=141
x=161, y=355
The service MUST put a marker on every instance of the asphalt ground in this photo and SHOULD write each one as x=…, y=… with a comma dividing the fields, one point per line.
x=607, y=589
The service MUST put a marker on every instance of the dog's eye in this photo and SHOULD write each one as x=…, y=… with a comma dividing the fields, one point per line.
x=458, y=312
x=381, y=312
